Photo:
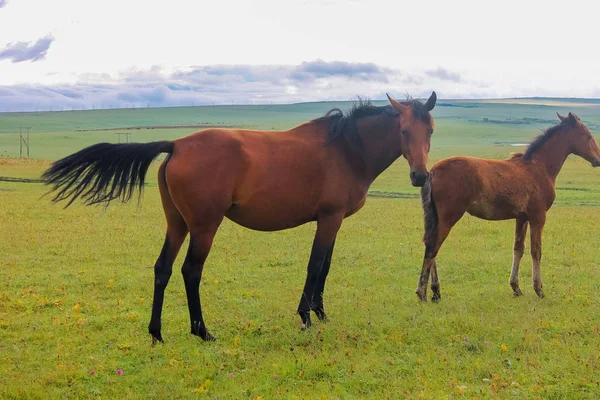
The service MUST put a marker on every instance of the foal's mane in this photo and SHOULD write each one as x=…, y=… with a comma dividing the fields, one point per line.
x=344, y=125
x=539, y=141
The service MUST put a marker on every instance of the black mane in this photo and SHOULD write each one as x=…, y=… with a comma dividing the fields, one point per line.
x=539, y=141
x=344, y=125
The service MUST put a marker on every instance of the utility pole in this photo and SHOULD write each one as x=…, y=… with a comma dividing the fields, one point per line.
x=24, y=140
x=126, y=136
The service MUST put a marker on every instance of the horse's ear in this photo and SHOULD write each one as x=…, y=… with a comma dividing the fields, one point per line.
x=561, y=117
x=431, y=101
x=396, y=105
x=573, y=117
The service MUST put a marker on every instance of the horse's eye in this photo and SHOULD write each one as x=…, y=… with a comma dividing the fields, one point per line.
x=404, y=132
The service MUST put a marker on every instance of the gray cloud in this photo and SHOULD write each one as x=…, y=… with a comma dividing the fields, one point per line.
x=320, y=69
x=444, y=74
x=25, y=51
x=3, y=3
x=221, y=84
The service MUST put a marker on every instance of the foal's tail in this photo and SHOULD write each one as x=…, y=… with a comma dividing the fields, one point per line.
x=430, y=216
x=103, y=172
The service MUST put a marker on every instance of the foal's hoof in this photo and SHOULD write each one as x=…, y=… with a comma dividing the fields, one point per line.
x=540, y=293
x=517, y=292
x=436, y=297
x=422, y=296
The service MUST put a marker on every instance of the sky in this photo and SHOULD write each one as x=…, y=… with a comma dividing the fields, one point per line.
x=65, y=54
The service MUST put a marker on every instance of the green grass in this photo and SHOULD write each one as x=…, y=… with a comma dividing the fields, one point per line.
x=76, y=292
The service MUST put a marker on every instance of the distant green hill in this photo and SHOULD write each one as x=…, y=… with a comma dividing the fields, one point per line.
x=473, y=127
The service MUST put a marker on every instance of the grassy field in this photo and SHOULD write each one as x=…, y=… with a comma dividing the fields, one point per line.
x=76, y=284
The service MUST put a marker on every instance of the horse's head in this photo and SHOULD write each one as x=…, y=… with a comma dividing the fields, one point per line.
x=581, y=140
x=415, y=125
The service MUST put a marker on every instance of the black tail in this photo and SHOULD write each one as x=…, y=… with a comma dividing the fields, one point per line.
x=103, y=172
x=430, y=214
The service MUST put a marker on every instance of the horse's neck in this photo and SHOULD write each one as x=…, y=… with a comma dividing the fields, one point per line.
x=552, y=155
x=379, y=152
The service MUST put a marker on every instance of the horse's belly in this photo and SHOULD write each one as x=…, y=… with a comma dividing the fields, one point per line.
x=492, y=211
x=269, y=218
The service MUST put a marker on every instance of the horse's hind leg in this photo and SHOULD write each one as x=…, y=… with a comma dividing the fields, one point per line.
x=201, y=238
x=519, y=249
x=537, y=226
x=319, y=308
x=176, y=232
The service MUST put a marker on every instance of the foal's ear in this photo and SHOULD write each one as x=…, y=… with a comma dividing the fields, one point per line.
x=396, y=105
x=561, y=117
x=431, y=101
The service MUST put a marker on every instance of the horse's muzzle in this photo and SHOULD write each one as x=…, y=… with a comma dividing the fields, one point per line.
x=418, y=178
x=596, y=163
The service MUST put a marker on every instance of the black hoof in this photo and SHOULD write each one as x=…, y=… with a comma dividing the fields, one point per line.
x=156, y=339
x=320, y=312
x=204, y=335
x=305, y=316
x=156, y=336
x=436, y=298
x=198, y=329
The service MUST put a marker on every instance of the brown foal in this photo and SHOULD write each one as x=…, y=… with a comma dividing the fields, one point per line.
x=263, y=180
x=521, y=188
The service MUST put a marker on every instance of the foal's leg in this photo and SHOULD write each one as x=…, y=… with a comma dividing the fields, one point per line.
x=201, y=239
x=445, y=223
x=537, y=226
x=319, y=308
x=435, y=282
x=327, y=228
x=519, y=249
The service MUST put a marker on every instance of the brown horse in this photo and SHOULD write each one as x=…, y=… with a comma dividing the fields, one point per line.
x=520, y=188
x=264, y=180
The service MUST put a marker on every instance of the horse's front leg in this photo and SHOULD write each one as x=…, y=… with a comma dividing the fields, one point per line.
x=319, y=308
x=432, y=247
x=327, y=228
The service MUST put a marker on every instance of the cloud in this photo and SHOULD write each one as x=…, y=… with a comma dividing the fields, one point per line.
x=3, y=3
x=444, y=74
x=227, y=84
x=357, y=71
x=25, y=51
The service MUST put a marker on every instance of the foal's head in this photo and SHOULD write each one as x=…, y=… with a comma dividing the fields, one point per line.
x=415, y=125
x=581, y=141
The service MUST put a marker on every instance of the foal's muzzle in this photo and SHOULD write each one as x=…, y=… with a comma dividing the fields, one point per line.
x=418, y=178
